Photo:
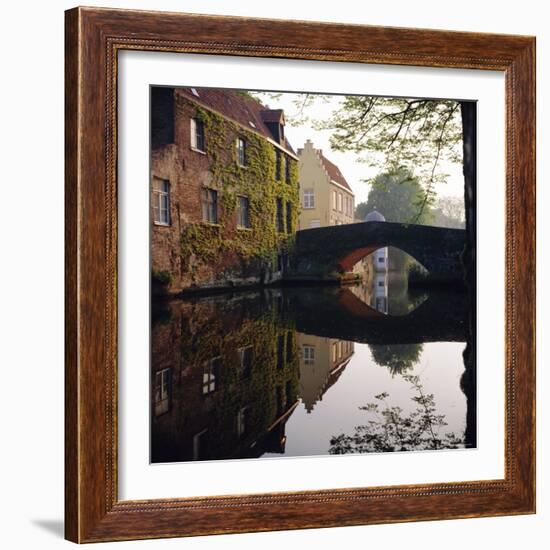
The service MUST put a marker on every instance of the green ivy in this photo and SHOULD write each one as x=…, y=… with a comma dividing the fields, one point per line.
x=205, y=242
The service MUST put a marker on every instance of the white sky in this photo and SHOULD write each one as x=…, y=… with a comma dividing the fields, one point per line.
x=353, y=170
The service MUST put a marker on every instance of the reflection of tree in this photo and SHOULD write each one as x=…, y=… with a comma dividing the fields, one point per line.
x=399, y=358
x=390, y=429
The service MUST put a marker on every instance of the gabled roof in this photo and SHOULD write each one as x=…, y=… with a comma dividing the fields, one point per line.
x=334, y=172
x=239, y=107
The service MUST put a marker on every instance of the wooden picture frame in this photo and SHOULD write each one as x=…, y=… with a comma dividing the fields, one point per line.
x=93, y=510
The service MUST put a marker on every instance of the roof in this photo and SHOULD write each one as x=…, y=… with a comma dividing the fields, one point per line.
x=239, y=107
x=334, y=172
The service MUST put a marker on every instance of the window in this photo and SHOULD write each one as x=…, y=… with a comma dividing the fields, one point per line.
x=381, y=259
x=245, y=357
x=289, y=346
x=340, y=202
x=309, y=354
x=209, y=199
x=280, y=351
x=315, y=223
x=287, y=170
x=278, y=156
x=281, y=400
x=243, y=419
x=210, y=375
x=280, y=221
x=197, y=135
x=241, y=152
x=381, y=283
x=243, y=209
x=309, y=198
x=288, y=217
x=163, y=391
x=334, y=200
x=161, y=201
x=334, y=352
x=284, y=166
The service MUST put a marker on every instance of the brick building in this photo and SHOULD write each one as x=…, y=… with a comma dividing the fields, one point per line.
x=224, y=190
x=223, y=383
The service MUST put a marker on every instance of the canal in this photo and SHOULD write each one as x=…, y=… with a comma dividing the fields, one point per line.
x=304, y=371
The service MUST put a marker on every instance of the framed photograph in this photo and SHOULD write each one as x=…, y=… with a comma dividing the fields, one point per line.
x=300, y=275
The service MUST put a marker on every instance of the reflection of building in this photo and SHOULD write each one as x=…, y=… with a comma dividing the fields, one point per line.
x=223, y=385
x=325, y=195
x=379, y=258
x=224, y=189
x=322, y=360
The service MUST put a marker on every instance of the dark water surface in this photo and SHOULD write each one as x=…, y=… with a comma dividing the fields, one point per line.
x=311, y=371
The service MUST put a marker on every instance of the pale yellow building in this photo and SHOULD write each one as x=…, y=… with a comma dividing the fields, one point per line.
x=325, y=196
x=322, y=360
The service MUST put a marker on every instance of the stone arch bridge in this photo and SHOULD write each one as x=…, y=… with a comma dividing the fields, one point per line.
x=327, y=253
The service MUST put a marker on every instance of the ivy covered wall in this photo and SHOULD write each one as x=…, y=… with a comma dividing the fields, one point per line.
x=195, y=254
x=208, y=401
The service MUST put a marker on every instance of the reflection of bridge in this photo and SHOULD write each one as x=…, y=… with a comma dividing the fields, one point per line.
x=326, y=252
x=340, y=314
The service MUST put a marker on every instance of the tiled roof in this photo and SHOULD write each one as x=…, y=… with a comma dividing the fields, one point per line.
x=238, y=107
x=334, y=172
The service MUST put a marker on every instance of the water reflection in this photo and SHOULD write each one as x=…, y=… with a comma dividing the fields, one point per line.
x=290, y=372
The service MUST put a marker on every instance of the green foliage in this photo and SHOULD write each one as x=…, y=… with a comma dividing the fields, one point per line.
x=398, y=196
x=398, y=358
x=205, y=242
x=417, y=134
x=219, y=327
x=390, y=429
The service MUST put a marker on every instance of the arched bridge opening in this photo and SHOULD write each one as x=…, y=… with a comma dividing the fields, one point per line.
x=327, y=253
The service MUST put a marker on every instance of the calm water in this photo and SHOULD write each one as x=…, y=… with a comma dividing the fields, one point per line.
x=311, y=371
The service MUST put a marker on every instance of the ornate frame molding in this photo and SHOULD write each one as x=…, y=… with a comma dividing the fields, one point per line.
x=93, y=38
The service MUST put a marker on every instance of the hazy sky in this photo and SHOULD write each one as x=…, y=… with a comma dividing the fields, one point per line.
x=353, y=170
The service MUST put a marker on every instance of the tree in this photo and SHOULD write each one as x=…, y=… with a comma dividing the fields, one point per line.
x=449, y=212
x=417, y=134
x=398, y=358
x=389, y=429
x=397, y=195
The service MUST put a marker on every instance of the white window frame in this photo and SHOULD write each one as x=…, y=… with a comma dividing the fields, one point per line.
x=240, y=225
x=162, y=391
x=194, y=141
x=309, y=199
x=209, y=376
x=161, y=213
x=240, y=146
x=308, y=354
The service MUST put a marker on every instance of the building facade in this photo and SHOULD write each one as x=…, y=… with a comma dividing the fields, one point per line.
x=222, y=386
x=379, y=258
x=322, y=361
x=224, y=190
x=325, y=196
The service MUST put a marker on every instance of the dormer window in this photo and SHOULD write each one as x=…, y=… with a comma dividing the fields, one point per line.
x=241, y=151
x=197, y=135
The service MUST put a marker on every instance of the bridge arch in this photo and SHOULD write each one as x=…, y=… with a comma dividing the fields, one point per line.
x=328, y=252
